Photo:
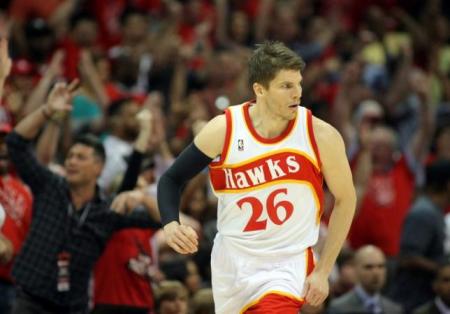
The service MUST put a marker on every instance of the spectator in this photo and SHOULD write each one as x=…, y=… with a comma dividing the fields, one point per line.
x=122, y=275
x=71, y=221
x=118, y=144
x=441, y=287
x=365, y=297
x=346, y=277
x=16, y=200
x=203, y=302
x=423, y=235
x=172, y=298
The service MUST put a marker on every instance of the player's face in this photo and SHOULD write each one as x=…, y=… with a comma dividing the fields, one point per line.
x=282, y=97
x=82, y=165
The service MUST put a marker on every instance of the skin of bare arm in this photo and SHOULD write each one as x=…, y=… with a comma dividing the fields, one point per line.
x=338, y=176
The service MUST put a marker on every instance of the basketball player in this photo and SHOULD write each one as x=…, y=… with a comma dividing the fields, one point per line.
x=267, y=159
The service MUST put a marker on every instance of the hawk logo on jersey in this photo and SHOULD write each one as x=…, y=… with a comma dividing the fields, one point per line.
x=240, y=145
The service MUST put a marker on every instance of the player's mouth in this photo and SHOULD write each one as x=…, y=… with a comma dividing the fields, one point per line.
x=292, y=106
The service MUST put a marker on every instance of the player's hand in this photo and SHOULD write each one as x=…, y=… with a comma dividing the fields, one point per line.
x=183, y=239
x=316, y=288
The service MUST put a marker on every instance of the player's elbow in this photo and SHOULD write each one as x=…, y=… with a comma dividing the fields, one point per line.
x=346, y=201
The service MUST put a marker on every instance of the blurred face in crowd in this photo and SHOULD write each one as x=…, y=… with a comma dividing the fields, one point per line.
x=197, y=204
x=347, y=274
x=285, y=27
x=135, y=28
x=441, y=285
x=128, y=119
x=82, y=165
x=383, y=147
x=239, y=28
x=443, y=144
x=177, y=304
x=193, y=280
x=85, y=33
x=4, y=163
x=370, y=268
x=283, y=94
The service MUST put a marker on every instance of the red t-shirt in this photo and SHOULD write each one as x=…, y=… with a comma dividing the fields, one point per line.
x=114, y=282
x=17, y=201
x=383, y=209
x=24, y=9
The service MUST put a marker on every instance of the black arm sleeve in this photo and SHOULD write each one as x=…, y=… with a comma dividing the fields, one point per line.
x=170, y=186
x=131, y=175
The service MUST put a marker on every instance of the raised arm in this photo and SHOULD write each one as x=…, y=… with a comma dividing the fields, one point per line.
x=206, y=146
x=5, y=64
x=19, y=141
x=338, y=177
x=37, y=97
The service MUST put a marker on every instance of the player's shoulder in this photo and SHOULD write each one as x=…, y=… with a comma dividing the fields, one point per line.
x=216, y=125
x=211, y=139
x=324, y=131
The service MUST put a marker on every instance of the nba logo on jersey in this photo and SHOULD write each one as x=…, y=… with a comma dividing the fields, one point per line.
x=240, y=144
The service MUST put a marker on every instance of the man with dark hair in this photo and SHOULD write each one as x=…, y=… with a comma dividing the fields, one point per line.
x=441, y=288
x=71, y=219
x=123, y=127
x=267, y=161
x=422, y=242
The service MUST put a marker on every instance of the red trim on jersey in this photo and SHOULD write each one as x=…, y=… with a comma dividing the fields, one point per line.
x=226, y=144
x=310, y=264
x=255, y=134
x=312, y=138
x=273, y=303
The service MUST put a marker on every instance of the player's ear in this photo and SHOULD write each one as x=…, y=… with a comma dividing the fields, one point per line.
x=258, y=89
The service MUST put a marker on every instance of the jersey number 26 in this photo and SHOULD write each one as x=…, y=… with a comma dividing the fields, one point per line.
x=254, y=223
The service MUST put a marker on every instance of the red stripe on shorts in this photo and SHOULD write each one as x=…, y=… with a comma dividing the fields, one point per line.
x=273, y=303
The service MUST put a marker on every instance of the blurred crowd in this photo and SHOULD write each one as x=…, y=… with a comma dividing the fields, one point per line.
x=155, y=71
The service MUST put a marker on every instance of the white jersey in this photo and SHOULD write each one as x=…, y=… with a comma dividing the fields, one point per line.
x=269, y=190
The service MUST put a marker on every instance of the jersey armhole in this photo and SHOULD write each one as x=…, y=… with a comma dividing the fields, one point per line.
x=312, y=138
x=226, y=144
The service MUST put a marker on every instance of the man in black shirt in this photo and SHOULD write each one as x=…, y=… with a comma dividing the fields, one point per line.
x=71, y=220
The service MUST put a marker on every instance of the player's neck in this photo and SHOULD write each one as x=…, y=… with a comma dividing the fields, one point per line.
x=265, y=122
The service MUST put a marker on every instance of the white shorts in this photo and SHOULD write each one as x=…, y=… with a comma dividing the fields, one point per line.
x=239, y=282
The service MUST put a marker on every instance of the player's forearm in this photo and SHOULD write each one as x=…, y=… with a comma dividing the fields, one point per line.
x=338, y=227
x=170, y=186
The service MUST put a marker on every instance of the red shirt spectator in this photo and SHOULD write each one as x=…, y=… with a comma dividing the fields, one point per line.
x=383, y=209
x=17, y=201
x=24, y=9
x=117, y=281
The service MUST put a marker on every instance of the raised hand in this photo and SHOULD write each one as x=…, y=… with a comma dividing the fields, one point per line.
x=55, y=67
x=59, y=99
x=126, y=201
x=5, y=60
